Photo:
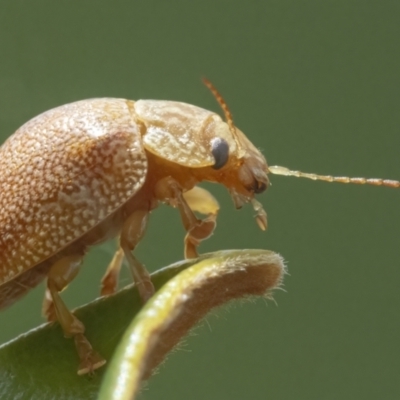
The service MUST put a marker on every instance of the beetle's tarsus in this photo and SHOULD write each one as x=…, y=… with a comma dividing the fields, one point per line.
x=89, y=359
x=191, y=245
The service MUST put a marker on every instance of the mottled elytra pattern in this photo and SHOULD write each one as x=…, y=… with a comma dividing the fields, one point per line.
x=63, y=172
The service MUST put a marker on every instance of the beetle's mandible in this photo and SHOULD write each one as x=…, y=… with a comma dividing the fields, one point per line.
x=85, y=172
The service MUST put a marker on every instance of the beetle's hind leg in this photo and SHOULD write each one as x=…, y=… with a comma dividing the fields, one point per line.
x=60, y=275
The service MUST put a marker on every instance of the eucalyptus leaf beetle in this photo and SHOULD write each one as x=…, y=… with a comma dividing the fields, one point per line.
x=88, y=171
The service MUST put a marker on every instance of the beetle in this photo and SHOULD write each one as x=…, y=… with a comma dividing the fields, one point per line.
x=85, y=172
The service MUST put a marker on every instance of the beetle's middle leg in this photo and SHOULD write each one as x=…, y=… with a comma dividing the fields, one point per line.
x=132, y=232
x=196, y=199
x=60, y=275
x=109, y=283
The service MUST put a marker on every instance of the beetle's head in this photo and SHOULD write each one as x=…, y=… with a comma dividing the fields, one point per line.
x=243, y=167
x=191, y=142
x=239, y=165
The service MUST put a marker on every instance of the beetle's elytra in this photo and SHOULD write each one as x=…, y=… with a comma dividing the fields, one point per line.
x=85, y=172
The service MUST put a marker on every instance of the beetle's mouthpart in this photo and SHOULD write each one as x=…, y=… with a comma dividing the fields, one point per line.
x=253, y=178
x=261, y=216
x=238, y=199
x=258, y=186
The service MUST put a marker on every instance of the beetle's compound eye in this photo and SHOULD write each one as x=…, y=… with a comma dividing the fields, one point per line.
x=220, y=151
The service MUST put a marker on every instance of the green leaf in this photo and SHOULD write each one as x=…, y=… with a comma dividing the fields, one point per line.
x=42, y=364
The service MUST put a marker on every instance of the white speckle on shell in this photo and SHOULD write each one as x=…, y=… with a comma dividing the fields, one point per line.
x=58, y=171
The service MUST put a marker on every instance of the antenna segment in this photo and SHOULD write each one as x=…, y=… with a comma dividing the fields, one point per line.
x=224, y=106
x=277, y=170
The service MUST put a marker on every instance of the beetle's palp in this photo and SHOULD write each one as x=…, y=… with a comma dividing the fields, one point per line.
x=261, y=216
x=278, y=170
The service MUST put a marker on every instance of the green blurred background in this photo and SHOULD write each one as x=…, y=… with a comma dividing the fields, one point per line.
x=314, y=84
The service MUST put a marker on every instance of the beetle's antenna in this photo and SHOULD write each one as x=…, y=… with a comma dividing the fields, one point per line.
x=277, y=170
x=224, y=106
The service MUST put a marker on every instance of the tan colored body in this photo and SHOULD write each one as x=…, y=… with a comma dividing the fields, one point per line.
x=85, y=172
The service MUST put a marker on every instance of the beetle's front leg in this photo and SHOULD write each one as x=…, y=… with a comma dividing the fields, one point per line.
x=202, y=201
x=196, y=199
x=132, y=232
x=60, y=275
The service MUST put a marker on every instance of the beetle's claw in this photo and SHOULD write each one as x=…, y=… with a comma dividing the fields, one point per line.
x=90, y=365
x=89, y=359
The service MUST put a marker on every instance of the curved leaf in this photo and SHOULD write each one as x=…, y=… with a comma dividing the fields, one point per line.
x=41, y=364
x=178, y=305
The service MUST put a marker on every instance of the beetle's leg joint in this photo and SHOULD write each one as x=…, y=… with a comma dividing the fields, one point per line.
x=132, y=232
x=194, y=200
x=109, y=283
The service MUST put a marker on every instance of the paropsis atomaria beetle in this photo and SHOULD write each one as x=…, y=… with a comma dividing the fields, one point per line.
x=85, y=172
